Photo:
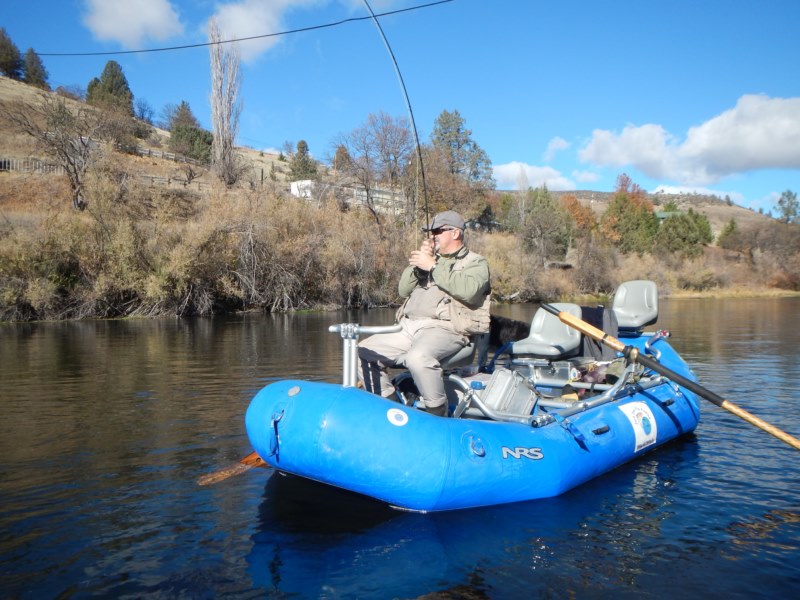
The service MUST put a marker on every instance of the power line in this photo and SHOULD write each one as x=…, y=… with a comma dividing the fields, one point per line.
x=245, y=39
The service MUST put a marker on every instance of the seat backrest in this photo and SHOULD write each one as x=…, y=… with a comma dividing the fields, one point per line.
x=636, y=304
x=549, y=337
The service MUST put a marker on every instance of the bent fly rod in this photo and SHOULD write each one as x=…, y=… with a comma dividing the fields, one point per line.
x=421, y=166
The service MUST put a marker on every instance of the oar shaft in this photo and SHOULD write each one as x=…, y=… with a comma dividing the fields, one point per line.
x=634, y=354
x=693, y=386
x=584, y=327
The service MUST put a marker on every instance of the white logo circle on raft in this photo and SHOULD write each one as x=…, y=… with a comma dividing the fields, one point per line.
x=396, y=417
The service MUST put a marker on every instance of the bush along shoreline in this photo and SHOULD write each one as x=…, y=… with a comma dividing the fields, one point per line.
x=147, y=252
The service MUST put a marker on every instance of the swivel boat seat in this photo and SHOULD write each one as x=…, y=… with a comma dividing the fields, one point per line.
x=635, y=305
x=549, y=338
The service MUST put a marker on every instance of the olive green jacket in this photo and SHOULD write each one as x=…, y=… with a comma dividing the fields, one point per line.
x=463, y=277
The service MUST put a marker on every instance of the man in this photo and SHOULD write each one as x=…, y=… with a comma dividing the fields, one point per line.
x=447, y=294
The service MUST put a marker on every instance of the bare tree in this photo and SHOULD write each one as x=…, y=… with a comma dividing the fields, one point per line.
x=375, y=155
x=225, y=104
x=66, y=134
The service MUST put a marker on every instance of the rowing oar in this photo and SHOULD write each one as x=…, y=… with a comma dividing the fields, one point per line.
x=633, y=354
x=247, y=463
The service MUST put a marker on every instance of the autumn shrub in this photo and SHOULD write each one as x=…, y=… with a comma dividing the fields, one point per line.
x=512, y=271
x=555, y=284
x=40, y=268
x=358, y=267
x=594, y=266
x=695, y=277
x=645, y=266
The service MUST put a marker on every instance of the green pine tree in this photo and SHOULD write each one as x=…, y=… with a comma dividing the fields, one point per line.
x=629, y=222
x=302, y=165
x=35, y=73
x=111, y=90
x=464, y=156
x=10, y=58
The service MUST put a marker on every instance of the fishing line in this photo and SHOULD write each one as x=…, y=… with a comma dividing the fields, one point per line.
x=421, y=167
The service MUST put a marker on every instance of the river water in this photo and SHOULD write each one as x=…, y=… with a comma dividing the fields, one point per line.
x=107, y=425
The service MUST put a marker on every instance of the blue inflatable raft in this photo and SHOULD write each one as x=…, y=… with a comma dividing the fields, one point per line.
x=545, y=419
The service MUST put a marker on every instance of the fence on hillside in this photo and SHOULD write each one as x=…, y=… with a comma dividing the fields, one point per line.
x=150, y=153
x=38, y=167
x=30, y=165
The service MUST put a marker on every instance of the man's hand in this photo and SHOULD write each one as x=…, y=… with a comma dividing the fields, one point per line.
x=424, y=257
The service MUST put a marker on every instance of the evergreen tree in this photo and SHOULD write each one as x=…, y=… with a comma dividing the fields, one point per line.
x=684, y=234
x=789, y=207
x=705, y=235
x=629, y=222
x=192, y=142
x=10, y=58
x=111, y=90
x=183, y=117
x=547, y=226
x=341, y=159
x=464, y=157
x=35, y=73
x=728, y=237
x=302, y=165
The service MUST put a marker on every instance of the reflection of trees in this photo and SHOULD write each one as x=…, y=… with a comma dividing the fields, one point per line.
x=768, y=531
x=621, y=532
x=99, y=388
x=723, y=329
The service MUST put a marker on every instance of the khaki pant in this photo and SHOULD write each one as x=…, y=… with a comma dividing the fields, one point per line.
x=419, y=346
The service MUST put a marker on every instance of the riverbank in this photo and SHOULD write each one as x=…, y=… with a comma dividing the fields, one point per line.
x=143, y=252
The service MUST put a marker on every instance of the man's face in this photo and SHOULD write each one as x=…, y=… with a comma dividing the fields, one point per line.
x=445, y=240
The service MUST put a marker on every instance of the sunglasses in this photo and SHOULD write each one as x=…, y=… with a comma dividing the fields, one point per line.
x=440, y=230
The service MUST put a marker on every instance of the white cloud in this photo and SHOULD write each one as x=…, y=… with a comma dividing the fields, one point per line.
x=758, y=133
x=553, y=146
x=585, y=176
x=252, y=18
x=249, y=18
x=520, y=176
x=132, y=23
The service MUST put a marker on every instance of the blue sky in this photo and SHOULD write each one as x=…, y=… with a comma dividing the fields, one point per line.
x=682, y=95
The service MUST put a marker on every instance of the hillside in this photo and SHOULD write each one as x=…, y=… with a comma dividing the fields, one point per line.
x=153, y=164
x=717, y=211
x=16, y=146
x=12, y=145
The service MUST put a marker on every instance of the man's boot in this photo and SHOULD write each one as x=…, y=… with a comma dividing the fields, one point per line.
x=439, y=411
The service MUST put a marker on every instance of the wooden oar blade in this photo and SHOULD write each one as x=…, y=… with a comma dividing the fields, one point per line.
x=247, y=463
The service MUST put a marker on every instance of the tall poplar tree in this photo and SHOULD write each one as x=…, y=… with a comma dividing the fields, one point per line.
x=225, y=104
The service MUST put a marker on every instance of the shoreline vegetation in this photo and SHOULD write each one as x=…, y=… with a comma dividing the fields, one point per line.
x=138, y=251
x=116, y=230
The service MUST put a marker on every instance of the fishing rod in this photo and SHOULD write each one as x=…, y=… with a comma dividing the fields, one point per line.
x=420, y=164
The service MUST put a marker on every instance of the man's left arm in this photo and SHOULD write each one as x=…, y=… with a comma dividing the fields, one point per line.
x=468, y=285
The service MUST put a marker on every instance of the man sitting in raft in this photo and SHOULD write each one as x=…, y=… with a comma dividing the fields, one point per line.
x=447, y=294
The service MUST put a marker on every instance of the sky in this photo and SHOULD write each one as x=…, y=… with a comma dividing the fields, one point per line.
x=682, y=96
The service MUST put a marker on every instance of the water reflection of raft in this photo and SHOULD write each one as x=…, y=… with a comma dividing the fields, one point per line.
x=535, y=427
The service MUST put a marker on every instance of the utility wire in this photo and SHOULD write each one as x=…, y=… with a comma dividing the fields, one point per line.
x=245, y=39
